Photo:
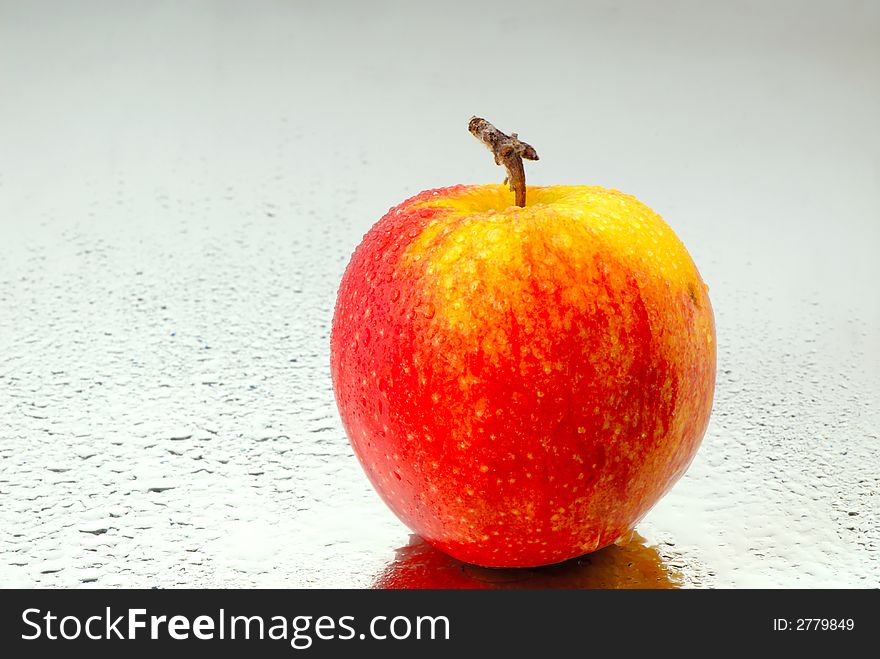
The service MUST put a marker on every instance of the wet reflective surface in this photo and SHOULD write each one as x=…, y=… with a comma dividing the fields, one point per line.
x=181, y=187
x=630, y=565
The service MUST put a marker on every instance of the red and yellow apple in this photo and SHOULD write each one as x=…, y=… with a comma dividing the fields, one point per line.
x=522, y=384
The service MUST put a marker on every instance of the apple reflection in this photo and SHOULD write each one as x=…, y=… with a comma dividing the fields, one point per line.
x=634, y=564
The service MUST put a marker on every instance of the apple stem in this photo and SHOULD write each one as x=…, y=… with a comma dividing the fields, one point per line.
x=509, y=151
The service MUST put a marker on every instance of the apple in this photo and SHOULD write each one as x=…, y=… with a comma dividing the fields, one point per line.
x=523, y=372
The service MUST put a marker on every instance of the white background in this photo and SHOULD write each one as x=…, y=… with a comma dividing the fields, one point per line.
x=181, y=185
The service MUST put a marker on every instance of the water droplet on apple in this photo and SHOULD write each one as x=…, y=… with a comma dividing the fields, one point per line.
x=395, y=294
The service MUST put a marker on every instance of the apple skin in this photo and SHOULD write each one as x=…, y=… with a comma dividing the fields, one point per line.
x=521, y=385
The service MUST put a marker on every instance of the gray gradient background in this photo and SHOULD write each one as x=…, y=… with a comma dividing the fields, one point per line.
x=181, y=185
